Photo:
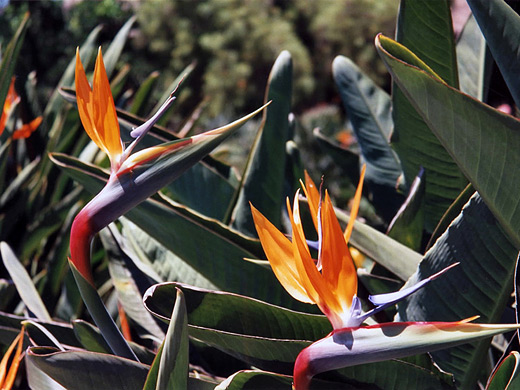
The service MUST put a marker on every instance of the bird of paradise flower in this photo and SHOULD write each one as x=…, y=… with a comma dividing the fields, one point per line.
x=133, y=178
x=330, y=282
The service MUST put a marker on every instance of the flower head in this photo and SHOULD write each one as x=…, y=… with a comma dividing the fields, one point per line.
x=330, y=281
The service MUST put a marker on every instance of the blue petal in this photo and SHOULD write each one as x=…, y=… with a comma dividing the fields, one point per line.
x=382, y=301
x=143, y=129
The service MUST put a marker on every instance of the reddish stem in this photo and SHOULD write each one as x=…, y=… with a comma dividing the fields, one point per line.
x=81, y=235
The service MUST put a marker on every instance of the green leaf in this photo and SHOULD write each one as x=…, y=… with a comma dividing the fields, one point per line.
x=507, y=375
x=480, y=285
x=265, y=335
x=37, y=379
x=192, y=190
x=473, y=60
x=262, y=182
x=236, y=314
x=483, y=141
x=101, y=317
x=369, y=109
x=127, y=288
x=90, y=337
x=10, y=56
x=156, y=261
x=24, y=284
x=111, y=55
x=175, y=84
x=93, y=341
x=426, y=27
x=143, y=94
x=81, y=370
x=170, y=367
x=454, y=210
x=384, y=375
x=389, y=253
x=501, y=27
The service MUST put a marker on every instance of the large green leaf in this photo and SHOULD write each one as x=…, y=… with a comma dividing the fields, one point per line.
x=255, y=379
x=23, y=283
x=90, y=337
x=170, y=367
x=156, y=261
x=501, y=27
x=369, y=109
x=261, y=334
x=262, y=183
x=426, y=27
x=406, y=227
x=382, y=376
x=80, y=370
x=483, y=141
x=236, y=314
x=37, y=379
x=480, y=285
x=144, y=94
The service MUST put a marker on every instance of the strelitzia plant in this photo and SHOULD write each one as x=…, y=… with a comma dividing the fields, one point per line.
x=330, y=281
x=133, y=178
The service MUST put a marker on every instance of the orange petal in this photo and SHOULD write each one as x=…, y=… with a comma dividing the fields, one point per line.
x=338, y=267
x=97, y=110
x=279, y=252
x=26, y=130
x=7, y=378
x=310, y=277
x=106, y=117
x=313, y=198
x=355, y=205
x=84, y=102
x=11, y=98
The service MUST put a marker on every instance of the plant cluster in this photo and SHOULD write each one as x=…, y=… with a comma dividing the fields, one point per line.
x=134, y=259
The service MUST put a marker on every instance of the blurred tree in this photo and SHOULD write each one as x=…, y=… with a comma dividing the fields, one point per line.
x=235, y=43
